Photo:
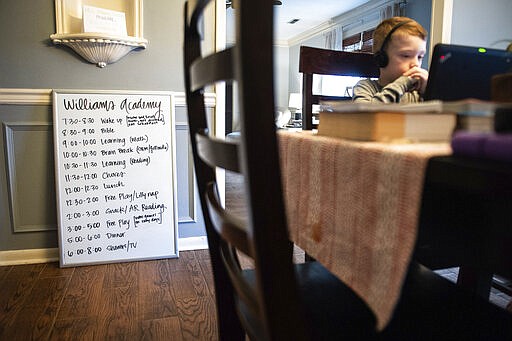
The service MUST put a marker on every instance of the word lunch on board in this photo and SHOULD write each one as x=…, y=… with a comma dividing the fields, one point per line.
x=115, y=176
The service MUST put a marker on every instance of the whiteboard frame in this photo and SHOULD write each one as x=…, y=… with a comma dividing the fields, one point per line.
x=57, y=160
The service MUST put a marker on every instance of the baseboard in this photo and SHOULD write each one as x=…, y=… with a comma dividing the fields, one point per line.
x=34, y=256
x=30, y=256
x=192, y=243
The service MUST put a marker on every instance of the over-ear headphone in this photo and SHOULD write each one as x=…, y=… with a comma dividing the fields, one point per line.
x=381, y=57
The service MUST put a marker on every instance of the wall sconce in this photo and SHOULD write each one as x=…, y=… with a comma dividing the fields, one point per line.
x=100, y=35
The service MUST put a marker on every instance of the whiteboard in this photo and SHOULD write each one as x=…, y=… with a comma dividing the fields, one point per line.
x=115, y=176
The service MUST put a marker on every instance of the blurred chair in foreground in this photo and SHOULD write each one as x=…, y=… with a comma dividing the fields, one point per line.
x=278, y=300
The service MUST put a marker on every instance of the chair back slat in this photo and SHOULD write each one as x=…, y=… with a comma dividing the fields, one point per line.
x=232, y=230
x=214, y=68
x=338, y=63
x=317, y=99
x=230, y=227
x=218, y=153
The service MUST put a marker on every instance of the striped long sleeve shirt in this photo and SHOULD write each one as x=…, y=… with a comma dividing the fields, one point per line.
x=399, y=91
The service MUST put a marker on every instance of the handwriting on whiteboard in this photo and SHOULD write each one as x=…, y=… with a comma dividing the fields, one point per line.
x=114, y=160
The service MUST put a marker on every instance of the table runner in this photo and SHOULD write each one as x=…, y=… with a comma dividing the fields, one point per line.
x=354, y=207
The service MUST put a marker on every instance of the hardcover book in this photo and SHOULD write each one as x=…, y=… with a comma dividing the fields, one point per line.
x=387, y=126
x=422, y=122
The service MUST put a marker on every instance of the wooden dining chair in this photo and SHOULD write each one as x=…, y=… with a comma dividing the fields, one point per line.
x=315, y=61
x=268, y=302
x=276, y=299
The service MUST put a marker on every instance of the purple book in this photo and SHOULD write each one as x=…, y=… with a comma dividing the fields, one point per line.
x=499, y=147
x=468, y=143
x=491, y=146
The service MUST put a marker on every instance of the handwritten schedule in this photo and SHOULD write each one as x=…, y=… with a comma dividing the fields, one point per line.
x=115, y=176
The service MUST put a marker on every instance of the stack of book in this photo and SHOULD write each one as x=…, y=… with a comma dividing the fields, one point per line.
x=426, y=121
x=430, y=121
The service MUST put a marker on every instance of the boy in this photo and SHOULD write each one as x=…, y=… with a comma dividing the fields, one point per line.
x=399, y=45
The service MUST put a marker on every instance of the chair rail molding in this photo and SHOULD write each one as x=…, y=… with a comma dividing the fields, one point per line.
x=19, y=96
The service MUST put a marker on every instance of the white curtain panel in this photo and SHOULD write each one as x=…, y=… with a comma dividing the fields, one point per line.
x=333, y=38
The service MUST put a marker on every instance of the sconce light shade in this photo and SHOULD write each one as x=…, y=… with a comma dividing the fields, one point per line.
x=101, y=35
x=97, y=49
x=295, y=100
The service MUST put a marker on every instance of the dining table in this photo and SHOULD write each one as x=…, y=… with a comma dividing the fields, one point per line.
x=366, y=210
x=355, y=207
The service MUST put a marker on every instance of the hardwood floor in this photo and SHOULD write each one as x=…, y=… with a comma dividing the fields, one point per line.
x=171, y=299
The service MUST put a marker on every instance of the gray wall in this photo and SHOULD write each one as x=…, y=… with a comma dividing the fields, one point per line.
x=281, y=67
x=482, y=23
x=421, y=11
x=295, y=77
x=28, y=60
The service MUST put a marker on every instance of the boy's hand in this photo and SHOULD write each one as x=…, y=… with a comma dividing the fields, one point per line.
x=419, y=74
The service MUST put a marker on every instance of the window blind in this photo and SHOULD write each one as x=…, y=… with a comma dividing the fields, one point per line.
x=360, y=42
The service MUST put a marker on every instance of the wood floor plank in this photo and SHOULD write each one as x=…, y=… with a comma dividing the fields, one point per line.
x=206, y=268
x=53, y=270
x=85, y=294
x=120, y=274
x=4, y=270
x=180, y=263
x=155, y=295
x=25, y=270
x=182, y=285
x=117, y=319
x=15, y=288
x=11, y=300
x=197, y=318
x=35, y=320
x=76, y=329
x=188, y=279
x=164, y=329
x=203, y=254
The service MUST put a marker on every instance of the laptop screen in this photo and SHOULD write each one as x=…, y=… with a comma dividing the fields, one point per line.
x=459, y=72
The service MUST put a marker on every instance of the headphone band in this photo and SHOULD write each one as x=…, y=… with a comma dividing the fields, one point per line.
x=388, y=36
